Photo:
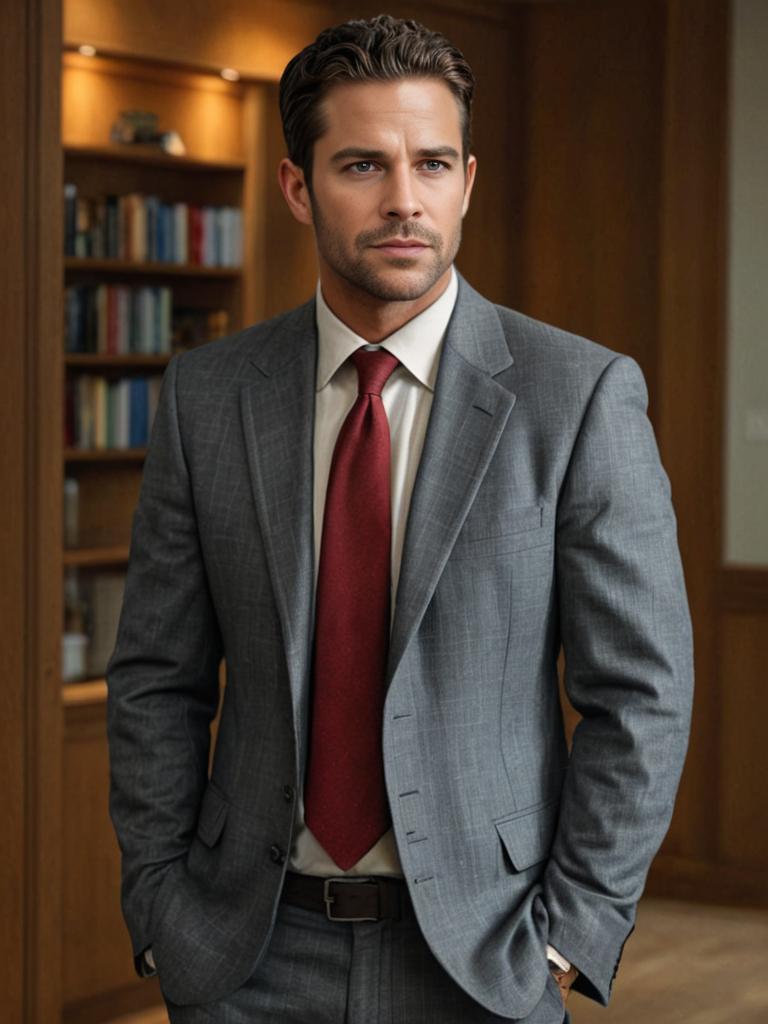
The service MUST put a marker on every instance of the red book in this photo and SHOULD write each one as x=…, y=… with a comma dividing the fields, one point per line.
x=195, y=235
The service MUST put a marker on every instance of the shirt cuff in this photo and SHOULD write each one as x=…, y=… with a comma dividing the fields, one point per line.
x=147, y=964
x=558, y=958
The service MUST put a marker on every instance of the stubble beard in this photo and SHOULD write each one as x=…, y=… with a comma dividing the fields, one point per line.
x=356, y=269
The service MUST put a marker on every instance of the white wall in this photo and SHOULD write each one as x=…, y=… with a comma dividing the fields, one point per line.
x=746, y=468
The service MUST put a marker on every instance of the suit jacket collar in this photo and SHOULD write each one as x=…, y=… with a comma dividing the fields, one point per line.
x=469, y=412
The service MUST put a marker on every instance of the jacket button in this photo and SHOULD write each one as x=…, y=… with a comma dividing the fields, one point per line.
x=276, y=854
x=288, y=794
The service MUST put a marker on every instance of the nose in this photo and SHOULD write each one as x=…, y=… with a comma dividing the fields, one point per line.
x=400, y=200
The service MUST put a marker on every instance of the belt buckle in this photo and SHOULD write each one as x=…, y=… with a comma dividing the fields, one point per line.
x=329, y=900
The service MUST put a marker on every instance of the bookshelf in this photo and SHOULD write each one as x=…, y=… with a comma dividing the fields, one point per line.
x=152, y=265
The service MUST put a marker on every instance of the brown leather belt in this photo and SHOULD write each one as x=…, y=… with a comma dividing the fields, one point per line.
x=349, y=898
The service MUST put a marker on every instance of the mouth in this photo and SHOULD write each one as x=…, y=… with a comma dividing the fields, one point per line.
x=402, y=247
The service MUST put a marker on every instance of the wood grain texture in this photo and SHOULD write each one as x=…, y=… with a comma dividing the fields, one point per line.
x=97, y=956
x=257, y=38
x=687, y=964
x=42, y=258
x=203, y=108
x=690, y=379
x=14, y=109
x=592, y=150
x=742, y=826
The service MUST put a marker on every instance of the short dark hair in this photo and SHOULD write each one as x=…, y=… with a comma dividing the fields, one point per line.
x=378, y=49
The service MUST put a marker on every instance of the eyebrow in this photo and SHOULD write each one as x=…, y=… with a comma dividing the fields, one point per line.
x=357, y=153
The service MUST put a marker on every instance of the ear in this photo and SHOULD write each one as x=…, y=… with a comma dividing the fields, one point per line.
x=295, y=190
x=469, y=181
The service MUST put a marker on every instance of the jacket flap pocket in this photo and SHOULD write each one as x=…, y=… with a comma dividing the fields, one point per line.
x=213, y=814
x=488, y=525
x=527, y=836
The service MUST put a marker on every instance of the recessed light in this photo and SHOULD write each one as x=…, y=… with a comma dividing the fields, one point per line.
x=230, y=74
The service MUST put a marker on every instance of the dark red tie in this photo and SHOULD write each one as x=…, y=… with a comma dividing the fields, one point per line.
x=345, y=799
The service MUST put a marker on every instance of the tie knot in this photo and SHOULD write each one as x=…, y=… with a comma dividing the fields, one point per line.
x=374, y=367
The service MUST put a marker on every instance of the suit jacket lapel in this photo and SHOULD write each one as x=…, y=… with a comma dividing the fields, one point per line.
x=469, y=412
x=277, y=407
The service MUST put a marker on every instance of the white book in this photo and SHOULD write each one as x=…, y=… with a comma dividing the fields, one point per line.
x=180, y=233
x=122, y=413
x=209, y=236
x=237, y=237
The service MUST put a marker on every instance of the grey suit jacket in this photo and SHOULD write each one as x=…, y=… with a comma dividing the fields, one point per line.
x=541, y=517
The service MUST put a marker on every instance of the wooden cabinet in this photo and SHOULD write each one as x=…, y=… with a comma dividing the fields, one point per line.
x=107, y=341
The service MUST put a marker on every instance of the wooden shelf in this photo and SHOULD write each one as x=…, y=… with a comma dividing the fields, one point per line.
x=152, y=156
x=104, y=454
x=79, y=263
x=128, y=361
x=116, y=554
x=90, y=691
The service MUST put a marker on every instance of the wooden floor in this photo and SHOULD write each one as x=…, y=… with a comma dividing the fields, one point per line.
x=685, y=964
x=688, y=964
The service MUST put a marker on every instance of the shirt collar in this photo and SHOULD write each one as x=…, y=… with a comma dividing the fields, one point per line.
x=416, y=344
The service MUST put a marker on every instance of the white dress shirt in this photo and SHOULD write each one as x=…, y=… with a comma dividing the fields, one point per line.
x=407, y=400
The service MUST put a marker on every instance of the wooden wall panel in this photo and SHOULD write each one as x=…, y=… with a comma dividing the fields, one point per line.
x=13, y=413
x=689, y=384
x=591, y=149
x=30, y=474
x=742, y=824
x=96, y=955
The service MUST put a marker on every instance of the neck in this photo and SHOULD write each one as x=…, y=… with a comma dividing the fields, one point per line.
x=371, y=318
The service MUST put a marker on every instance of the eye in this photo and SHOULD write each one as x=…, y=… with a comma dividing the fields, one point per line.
x=435, y=165
x=362, y=166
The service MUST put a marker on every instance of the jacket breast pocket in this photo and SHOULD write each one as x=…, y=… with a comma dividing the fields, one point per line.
x=527, y=835
x=503, y=532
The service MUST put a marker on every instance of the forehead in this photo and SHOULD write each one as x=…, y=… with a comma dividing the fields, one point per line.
x=374, y=110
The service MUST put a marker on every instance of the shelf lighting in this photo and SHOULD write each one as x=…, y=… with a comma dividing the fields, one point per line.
x=87, y=50
x=230, y=74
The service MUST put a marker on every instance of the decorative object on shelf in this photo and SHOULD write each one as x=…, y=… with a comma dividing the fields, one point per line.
x=74, y=648
x=141, y=126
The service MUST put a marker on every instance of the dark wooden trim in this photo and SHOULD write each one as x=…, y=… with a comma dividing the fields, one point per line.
x=43, y=214
x=82, y=264
x=152, y=157
x=691, y=341
x=743, y=588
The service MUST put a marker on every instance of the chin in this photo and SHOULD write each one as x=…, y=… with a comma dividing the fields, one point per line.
x=401, y=284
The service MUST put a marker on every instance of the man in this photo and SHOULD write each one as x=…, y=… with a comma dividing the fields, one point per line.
x=387, y=510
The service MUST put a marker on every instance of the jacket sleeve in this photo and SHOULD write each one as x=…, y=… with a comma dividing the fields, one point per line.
x=163, y=676
x=626, y=636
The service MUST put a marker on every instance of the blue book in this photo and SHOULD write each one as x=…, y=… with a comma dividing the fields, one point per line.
x=139, y=414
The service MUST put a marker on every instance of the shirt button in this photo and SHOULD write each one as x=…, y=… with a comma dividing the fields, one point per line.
x=288, y=794
x=276, y=854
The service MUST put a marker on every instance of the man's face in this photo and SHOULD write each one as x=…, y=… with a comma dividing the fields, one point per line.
x=389, y=189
